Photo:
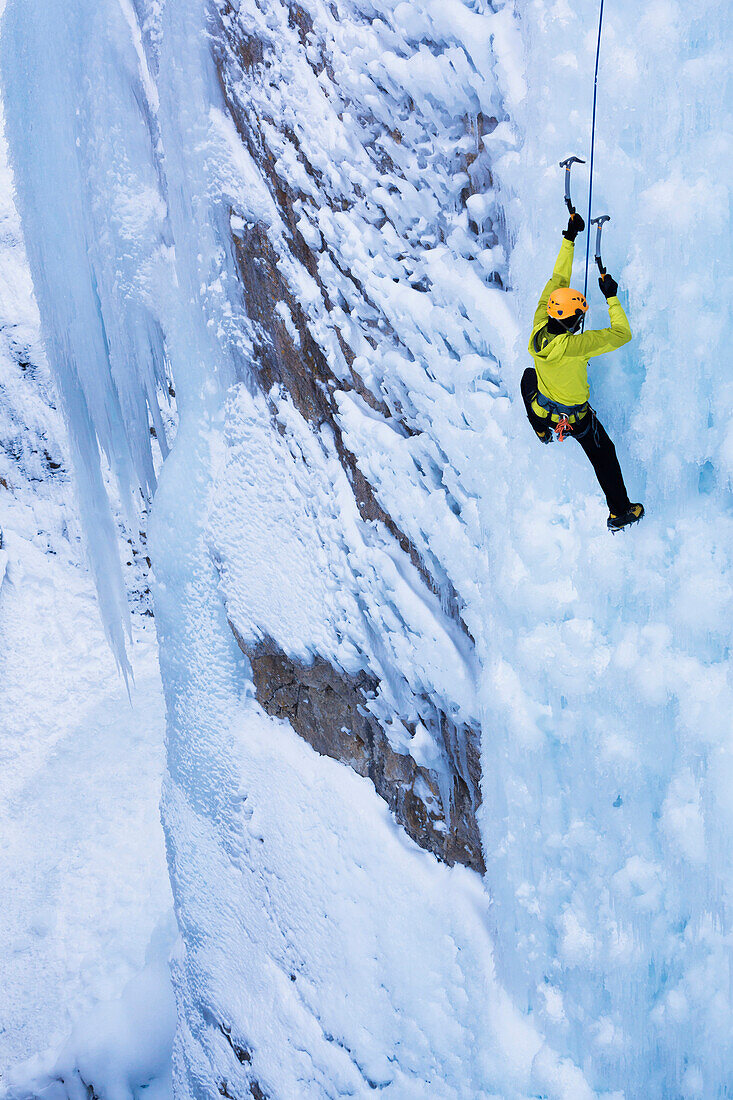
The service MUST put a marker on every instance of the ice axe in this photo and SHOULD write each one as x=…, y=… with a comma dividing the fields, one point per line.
x=598, y=223
x=567, y=165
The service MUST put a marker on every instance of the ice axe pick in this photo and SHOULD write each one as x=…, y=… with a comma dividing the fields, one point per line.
x=567, y=165
x=598, y=223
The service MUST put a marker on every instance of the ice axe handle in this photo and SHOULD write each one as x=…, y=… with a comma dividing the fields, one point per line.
x=568, y=200
x=598, y=223
x=567, y=165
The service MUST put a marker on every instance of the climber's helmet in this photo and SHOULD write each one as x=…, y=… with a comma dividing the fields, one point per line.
x=567, y=306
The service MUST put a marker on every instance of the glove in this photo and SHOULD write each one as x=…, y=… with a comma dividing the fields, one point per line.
x=608, y=285
x=575, y=225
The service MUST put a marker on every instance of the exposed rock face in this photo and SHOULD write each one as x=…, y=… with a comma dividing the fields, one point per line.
x=314, y=354
x=328, y=709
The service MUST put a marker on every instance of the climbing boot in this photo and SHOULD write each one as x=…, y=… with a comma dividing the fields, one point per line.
x=632, y=515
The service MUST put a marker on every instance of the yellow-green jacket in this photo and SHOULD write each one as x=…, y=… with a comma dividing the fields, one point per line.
x=562, y=361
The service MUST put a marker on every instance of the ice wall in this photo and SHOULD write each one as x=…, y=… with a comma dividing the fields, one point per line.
x=610, y=687
x=330, y=224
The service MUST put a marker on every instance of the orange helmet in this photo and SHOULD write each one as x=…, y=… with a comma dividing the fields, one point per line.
x=565, y=302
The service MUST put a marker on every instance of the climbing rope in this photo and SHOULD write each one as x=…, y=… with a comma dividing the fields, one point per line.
x=592, y=151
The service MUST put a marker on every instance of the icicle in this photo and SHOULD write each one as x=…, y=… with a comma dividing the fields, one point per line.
x=88, y=188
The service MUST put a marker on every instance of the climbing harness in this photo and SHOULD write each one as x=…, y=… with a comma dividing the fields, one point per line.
x=592, y=147
x=561, y=417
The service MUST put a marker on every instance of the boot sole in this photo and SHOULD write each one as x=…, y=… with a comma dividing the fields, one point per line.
x=625, y=526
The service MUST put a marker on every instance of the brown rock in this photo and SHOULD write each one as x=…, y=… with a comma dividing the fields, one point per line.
x=327, y=708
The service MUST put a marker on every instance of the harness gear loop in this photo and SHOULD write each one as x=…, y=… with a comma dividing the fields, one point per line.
x=562, y=429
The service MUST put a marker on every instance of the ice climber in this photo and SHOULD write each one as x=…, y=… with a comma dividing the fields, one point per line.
x=555, y=390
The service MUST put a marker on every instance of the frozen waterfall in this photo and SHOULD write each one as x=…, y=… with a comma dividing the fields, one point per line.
x=323, y=227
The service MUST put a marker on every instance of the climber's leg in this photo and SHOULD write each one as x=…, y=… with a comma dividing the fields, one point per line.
x=528, y=387
x=599, y=448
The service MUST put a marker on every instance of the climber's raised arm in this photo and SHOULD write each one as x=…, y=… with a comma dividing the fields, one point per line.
x=563, y=268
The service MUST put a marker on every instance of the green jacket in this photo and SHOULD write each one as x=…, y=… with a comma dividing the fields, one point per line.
x=562, y=361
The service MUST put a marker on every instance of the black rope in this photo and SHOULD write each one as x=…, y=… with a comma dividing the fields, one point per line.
x=592, y=151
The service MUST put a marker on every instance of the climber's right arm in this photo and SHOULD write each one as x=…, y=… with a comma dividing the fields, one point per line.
x=599, y=341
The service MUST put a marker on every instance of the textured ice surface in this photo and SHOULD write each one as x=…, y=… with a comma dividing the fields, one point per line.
x=336, y=587
x=121, y=1049
x=89, y=192
x=360, y=962
x=82, y=859
x=600, y=664
x=608, y=741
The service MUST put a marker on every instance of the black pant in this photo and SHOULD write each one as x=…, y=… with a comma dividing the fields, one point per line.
x=595, y=441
